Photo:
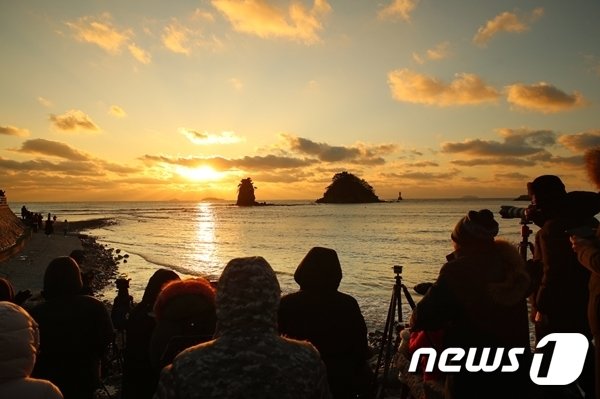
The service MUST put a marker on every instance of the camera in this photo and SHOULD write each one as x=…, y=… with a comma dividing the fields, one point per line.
x=397, y=269
x=122, y=283
x=527, y=215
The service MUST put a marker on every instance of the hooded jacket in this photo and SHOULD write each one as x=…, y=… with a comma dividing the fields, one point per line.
x=19, y=341
x=330, y=320
x=75, y=331
x=247, y=359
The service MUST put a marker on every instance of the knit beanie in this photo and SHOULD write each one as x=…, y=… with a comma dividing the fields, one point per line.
x=247, y=295
x=319, y=270
x=478, y=226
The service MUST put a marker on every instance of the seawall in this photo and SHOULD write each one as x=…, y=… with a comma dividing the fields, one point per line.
x=13, y=233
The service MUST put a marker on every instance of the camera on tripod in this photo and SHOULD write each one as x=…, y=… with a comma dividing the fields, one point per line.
x=527, y=215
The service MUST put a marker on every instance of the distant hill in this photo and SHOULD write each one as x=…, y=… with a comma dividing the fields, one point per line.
x=346, y=188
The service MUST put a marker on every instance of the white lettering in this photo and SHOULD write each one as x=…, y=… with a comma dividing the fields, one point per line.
x=483, y=360
x=514, y=362
x=416, y=358
x=457, y=354
x=567, y=359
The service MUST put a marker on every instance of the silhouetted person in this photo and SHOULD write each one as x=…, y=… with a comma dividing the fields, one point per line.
x=19, y=342
x=185, y=316
x=248, y=358
x=587, y=248
x=7, y=293
x=561, y=300
x=75, y=331
x=122, y=304
x=139, y=377
x=330, y=320
x=479, y=301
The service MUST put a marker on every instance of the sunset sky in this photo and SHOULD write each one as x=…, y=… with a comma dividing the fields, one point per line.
x=161, y=100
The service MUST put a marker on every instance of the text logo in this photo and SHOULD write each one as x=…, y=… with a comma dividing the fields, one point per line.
x=558, y=360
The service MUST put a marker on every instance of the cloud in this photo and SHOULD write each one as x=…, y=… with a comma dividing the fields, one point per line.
x=511, y=176
x=13, y=131
x=495, y=161
x=259, y=18
x=543, y=97
x=52, y=148
x=101, y=32
x=176, y=38
x=439, y=52
x=424, y=177
x=358, y=154
x=117, y=111
x=205, y=138
x=421, y=164
x=44, y=102
x=581, y=141
x=465, y=89
x=265, y=163
x=139, y=54
x=73, y=119
x=398, y=9
x=516, y=143
x=505, y=22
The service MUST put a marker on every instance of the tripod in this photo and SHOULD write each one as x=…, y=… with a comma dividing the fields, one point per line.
x=388, y=345
x=525, y=245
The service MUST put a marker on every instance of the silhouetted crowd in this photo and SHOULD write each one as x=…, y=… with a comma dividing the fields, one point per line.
x=239, y=338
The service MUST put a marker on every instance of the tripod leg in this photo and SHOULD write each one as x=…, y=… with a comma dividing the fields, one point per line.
x=384, y=349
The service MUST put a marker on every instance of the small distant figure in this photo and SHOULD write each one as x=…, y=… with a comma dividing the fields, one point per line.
x=49, y=228
x=2, y=193
x=318, y=313
x=66, y=227
x=19, y=345
x=122, y=304
x=248, y=358
x=139, y=377
x=399, y=196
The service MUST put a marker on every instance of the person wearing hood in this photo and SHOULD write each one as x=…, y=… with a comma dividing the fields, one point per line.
x=19, y=343
x=247, y=358
x=139, y=377
x=587, y=249
x=479, y=300
x=330, y=320
x=75, y=331
x=561, y=300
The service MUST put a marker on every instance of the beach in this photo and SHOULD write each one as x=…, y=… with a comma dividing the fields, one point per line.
x=25, y=270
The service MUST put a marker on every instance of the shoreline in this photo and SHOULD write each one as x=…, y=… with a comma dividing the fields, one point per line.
x=26, y=267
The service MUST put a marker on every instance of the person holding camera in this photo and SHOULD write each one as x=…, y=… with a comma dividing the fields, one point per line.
x=586, y=244
x=561, y=299
x=479, y=301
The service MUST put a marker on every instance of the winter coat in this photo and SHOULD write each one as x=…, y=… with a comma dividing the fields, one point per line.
x=248, y=359
x=19, y=340
x=331, y=321
x=589, y=257
x=479, y=300
x=75, y=331
x=563, y=294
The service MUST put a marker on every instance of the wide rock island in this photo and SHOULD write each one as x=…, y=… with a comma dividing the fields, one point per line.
x=346, y=188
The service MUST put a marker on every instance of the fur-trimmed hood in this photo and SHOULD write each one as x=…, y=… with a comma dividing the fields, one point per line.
x=515, y=282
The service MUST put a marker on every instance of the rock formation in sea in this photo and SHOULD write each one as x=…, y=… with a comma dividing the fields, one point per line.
x=246, y=193
x=345, y=188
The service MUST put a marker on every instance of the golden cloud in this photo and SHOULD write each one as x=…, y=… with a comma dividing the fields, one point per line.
x=117, y=111
x=580, y=142
x=175, y=37
x=505, y=22
x=52, y=148
x=543, y=97
x=101, y=32
x=258, y=17
x=437, y=53
x=465, y=89
x=398, y=9
x=205, y=138
x=73, y=119
x=13, y=131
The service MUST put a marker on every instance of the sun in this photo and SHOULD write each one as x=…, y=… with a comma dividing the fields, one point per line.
x=202, y=173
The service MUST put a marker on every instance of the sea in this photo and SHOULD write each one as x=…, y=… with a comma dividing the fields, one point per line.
x=199, y=238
